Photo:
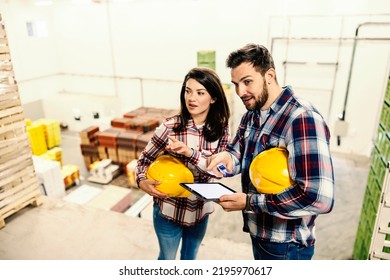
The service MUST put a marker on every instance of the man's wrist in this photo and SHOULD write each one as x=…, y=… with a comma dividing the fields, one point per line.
x=248, y=206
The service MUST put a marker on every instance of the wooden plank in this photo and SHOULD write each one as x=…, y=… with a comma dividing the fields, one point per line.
x=7, y=73
x=19, y=141
x=9, y=95
x=33, y=198
x=7, y=80
x=11, y=135
x=12, y=119
x=15, y=162
x=20, y=159
x=10, y=152
x=24, y=157
x=2, y=31
x=14, y=190
x=29, y=183
x=14, y=127
x=5, y=56
x=21, y=173
x=6, y=187
x=8, y=88
x=11, y=111
x=16, y=169
x=10, y=103
x=7, y=65
x=4, y=49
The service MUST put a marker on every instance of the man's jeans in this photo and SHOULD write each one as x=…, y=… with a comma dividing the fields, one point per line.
x=265, y=250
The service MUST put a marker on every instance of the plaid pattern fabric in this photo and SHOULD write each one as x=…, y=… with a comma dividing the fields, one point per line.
x=294, y=124
x=185, y=211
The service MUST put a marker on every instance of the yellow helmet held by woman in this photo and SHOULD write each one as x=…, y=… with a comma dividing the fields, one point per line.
x=268, y=171
x=170, y=172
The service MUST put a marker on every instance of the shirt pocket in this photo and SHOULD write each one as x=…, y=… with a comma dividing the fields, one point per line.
x=247, y=133
x=271, y=140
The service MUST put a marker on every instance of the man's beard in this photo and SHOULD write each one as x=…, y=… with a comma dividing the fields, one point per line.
x=261, y=101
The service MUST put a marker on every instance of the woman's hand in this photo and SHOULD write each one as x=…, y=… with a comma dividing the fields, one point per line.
x=178, y=147
x=149, y=186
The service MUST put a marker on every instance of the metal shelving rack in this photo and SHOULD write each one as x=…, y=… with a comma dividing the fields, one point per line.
x=373, y=233
x=380, y=242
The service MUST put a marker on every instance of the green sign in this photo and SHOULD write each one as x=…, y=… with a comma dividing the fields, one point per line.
x=206, y=59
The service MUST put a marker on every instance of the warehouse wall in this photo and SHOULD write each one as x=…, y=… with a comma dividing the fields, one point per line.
x=329, y=65
x=115, y=56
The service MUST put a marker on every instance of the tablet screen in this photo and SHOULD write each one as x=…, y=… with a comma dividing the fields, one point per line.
x=208, y=191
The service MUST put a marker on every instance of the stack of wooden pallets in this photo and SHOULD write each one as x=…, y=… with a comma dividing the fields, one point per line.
x=19, y=185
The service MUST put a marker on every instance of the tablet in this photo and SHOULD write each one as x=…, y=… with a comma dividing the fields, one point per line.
x=208, y=191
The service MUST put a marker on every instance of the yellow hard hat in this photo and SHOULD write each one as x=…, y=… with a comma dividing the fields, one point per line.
x=170, y=172
x=268, y=171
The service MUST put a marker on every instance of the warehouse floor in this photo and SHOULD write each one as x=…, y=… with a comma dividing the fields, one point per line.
x=59, y=229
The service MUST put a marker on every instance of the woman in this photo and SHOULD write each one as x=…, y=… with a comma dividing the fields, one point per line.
x=200, y=130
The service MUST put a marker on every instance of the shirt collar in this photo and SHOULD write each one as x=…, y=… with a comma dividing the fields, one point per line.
x=191, y=124
x=282, y=99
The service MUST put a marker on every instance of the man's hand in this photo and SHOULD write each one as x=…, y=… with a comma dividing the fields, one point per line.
x=233, y=202
x=178, y=147
x=218, y=159
x=149, y=186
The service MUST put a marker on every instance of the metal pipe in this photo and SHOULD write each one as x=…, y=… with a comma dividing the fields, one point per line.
x=342, y=115
x=355, y=40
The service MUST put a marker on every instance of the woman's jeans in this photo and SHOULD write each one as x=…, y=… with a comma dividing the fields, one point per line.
x=265, y=250
x=170, y=233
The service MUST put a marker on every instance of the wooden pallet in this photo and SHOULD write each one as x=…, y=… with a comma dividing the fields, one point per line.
x=19, y=185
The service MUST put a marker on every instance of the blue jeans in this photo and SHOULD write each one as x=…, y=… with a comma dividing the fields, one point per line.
x=170, y=233
x=265, y=250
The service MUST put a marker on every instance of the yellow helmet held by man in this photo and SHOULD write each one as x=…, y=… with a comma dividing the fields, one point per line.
x=268, y=171
x=170, y=172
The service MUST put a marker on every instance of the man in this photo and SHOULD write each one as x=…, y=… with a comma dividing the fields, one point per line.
x=282, y=225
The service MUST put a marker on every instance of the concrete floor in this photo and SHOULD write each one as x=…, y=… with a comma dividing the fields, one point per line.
x=63, y=230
